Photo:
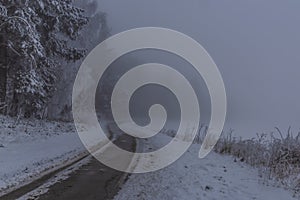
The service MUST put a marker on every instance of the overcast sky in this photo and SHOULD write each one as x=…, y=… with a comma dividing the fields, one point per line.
x=255, y=43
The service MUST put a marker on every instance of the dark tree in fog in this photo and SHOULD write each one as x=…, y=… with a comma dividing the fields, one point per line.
x=34, y=35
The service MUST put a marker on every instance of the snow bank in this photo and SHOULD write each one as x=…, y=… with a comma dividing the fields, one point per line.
x=31, y=148
x=215, y=177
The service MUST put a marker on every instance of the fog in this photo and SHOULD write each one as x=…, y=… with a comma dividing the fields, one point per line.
x=256, y=45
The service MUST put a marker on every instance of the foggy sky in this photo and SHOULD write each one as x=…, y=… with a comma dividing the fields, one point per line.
x=255, y=43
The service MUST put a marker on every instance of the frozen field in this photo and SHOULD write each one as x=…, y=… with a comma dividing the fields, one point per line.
x=215, y=177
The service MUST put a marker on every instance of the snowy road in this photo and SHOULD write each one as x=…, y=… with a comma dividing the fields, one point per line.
x=24, y=162
x=87, y=179
x=25, y=157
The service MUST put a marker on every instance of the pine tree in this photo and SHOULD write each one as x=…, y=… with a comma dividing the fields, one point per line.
x=33, y=35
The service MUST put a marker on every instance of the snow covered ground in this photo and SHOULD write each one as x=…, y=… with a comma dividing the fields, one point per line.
x=214, y=178
x=32, y=148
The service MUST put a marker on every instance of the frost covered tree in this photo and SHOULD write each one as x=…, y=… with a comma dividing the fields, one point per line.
x=33, y=36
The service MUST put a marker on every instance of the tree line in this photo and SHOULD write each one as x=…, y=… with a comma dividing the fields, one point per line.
x=35, y=37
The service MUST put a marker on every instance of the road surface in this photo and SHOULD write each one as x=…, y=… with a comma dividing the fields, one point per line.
x=92, y=180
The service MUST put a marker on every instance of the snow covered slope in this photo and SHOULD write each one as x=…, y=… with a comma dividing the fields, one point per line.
x=32, y=148
x=215, y=177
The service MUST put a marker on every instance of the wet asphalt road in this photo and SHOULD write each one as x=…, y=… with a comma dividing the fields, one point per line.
x=91, y=181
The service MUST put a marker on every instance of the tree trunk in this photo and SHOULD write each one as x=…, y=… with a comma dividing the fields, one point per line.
x=9, y=96
x=2, y=83
x=3, y=77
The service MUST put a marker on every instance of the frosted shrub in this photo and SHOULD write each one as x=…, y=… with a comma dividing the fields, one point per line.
x=276, y=156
